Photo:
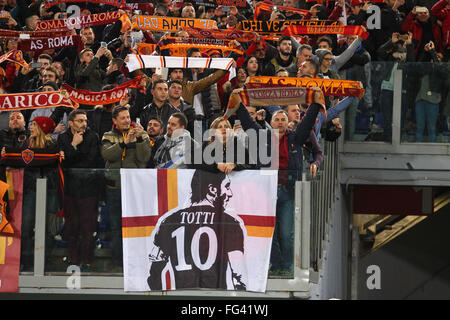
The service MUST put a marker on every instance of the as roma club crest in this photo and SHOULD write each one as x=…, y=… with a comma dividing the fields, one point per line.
x=27, y=156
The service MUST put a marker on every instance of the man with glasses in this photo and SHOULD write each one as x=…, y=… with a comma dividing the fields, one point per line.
x=81, y=150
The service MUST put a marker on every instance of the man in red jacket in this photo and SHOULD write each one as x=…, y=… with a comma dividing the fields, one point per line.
x=441, y=10
x=424, y=30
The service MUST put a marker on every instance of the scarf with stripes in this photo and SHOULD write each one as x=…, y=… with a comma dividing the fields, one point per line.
x=136, y=62
x=268, y=96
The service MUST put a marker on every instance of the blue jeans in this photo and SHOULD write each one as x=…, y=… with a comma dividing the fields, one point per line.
x=426, y=113
x=282, y=254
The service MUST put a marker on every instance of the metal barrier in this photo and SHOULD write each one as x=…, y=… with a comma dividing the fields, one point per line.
x=321, y=198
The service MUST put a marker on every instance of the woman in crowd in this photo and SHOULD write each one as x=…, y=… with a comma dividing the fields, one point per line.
x=225, y=151
x=40, y=141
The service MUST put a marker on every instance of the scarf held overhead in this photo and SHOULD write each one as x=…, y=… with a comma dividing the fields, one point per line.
x=103, y=97
x=293, y=30
x=115, y=3
x=265, y=7
x=181, y=49
x=34, y=100
x=274, y=96
x=170, y=24
x=233, y=34
x=276, y=26
x=136, y=62
x=330, y=87
x=14, y=34
x=79, y=22
x=42, y=44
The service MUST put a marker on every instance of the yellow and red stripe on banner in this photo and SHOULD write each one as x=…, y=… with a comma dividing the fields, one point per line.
x=143, y=226
x=167, y=180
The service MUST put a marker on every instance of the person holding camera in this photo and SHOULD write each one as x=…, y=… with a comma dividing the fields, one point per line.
x=424, y=30
x=127, y=145
x=88, y=74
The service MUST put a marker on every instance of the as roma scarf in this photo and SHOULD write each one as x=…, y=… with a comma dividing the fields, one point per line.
x=265, y=7
x=6, y=56
x=170, y=24
x=34, y=100
x=146, y=48
x=180, y=49
x=34, y=157
x=293, y=30
x=81, y=96
x=18, y=59
x=115, y=3
x=273, y=96
x=330, y=87
x=31, y=157
x=362, y=1
x=228, y=34
x=136, y=62
x=277, y=25
x=14, y=34
x=80, y=22
x=207, y=41
x=15, y=56
x=237, y=3
x=42, y=44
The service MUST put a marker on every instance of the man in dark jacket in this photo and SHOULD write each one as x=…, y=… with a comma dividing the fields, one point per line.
x=16, y=135
x=290, y=162
x=176, y=101
x=81, y=150
x=88, y=74
x=284, y=58
x=159, y=108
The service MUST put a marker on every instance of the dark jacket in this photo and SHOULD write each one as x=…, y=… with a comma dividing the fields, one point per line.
x=295, y=139
x=242, y=161
x=390, y=22
x=189, y=112
x=85, y=155
x=78, y=182
x=162, y=113
x=276, y=64
x=410, y=24
x=13, y=139
x=89, y=77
